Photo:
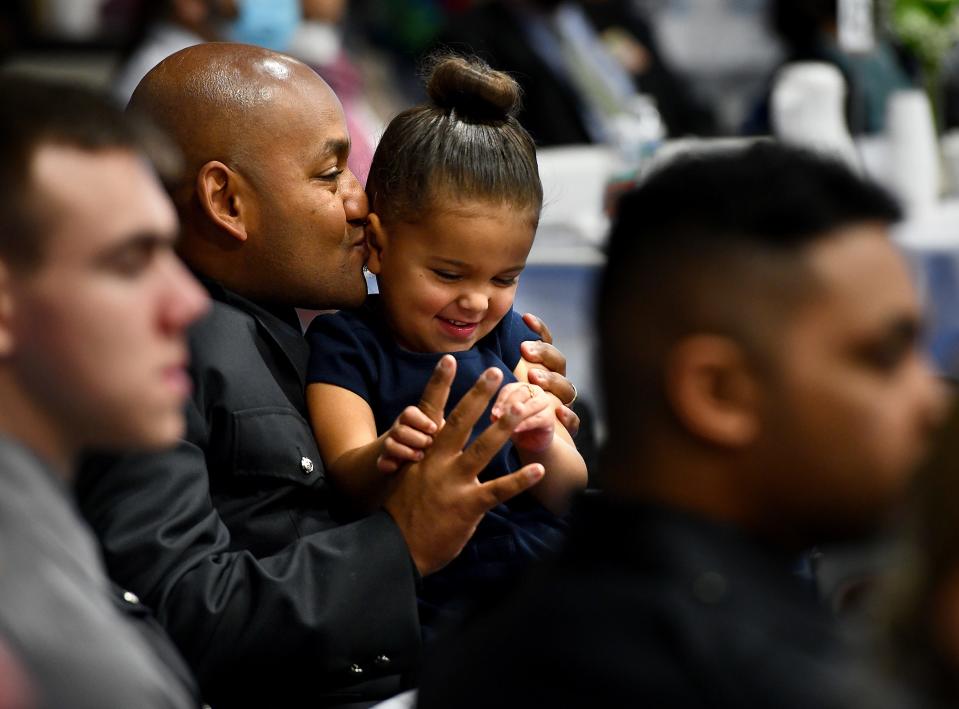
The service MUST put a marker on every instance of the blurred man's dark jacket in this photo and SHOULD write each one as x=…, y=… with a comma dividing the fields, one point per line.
x=648, y=607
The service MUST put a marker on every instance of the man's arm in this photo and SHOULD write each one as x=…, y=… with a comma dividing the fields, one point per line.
x=329, y=610
x=333, y=608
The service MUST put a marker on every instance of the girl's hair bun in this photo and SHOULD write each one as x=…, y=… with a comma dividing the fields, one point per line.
x=472, y=89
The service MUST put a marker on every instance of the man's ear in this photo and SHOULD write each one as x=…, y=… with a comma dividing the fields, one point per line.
x=223, y=199
x=7, y=343
x=377, y=239
x=713, y=391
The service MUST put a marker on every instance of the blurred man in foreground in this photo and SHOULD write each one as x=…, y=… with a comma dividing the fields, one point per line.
x=94, y=307
x=765, y=392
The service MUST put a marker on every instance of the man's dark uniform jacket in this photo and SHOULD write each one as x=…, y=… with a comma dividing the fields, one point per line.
x=273, y=598
x=647, y=608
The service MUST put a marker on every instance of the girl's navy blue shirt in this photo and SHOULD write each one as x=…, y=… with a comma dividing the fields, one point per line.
x=355, y=350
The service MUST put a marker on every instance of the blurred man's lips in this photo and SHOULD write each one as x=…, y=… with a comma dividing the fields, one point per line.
x=178, y=379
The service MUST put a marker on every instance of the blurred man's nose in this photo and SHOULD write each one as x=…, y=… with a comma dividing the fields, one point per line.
x=936, y=395
x=187, y=300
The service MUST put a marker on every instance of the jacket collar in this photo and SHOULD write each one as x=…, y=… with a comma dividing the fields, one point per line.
x=279, y=324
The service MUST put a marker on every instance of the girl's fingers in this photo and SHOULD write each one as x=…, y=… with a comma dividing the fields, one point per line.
x=541, y=420
x=385, y=464
x=414, y=417
x=395, y=449
x=411, y=437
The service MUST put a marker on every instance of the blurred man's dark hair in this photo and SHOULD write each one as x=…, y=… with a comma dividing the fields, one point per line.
x=709, y=245
x=36, y=113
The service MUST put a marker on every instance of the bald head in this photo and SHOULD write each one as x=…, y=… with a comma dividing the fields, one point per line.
x=268, y=207
x=224, y=101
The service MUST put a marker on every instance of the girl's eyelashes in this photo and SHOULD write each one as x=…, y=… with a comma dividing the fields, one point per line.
x=446, y=275
x=450, y=276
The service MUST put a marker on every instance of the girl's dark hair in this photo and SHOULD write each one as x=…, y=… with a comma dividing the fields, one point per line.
x=465, y=142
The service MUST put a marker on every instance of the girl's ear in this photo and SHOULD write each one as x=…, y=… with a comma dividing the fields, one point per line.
x=376, y=239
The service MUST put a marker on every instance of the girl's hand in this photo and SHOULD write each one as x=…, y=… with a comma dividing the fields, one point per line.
x=537, y=408
x=408, y=437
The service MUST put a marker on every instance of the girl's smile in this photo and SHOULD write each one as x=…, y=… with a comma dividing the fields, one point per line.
x=448, y=279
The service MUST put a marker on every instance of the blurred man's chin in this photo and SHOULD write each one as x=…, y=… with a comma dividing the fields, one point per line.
x=155, y=435
x=166, y=436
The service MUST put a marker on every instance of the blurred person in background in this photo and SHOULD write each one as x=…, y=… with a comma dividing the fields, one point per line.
x=274, y=593
x=579, y=65
x=164, y=27
x=809, y=31
x=94, y=307
x=307, y=29
x=319, y=42
x=765, y=392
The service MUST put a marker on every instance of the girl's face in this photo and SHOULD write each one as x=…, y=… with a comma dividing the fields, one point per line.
x=447, y=280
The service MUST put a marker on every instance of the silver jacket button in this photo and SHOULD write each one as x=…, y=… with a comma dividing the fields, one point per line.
x=356, y=669
x=131, y=597
x=382, y=661
x=306, y=465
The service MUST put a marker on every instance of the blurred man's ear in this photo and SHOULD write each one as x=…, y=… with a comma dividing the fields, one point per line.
x=6, y=311
x=712, y=390
x=223, y=198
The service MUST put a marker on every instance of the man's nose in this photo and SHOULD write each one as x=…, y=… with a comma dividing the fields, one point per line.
x=355, y=203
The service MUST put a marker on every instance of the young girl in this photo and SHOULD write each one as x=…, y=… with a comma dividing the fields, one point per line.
x=455, y=198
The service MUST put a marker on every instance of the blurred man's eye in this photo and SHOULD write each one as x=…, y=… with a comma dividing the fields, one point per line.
x=891, y=346
x=131, y=260
x=890, y=351
x=886, y=356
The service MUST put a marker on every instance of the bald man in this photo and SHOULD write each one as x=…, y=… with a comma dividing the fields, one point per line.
x=273, y=594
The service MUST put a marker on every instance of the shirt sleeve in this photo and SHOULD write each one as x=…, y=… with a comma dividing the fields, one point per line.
x=507, y=337
x=341, y=354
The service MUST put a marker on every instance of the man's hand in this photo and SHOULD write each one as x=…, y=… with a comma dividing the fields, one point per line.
x=438, y=501
x=551, y=372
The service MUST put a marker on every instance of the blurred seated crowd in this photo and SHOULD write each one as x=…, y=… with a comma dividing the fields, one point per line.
x=580, y=63
x=204, y=505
